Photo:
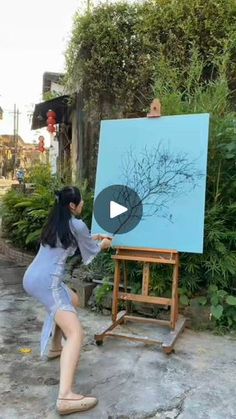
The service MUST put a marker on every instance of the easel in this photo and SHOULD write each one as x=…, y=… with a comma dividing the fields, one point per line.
x=147, y=257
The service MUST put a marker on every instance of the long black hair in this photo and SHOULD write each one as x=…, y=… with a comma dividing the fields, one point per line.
x=57, y=226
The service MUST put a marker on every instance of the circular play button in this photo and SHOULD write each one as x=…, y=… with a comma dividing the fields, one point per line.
x=118, y=209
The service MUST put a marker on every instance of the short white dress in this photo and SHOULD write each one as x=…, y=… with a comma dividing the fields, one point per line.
x=43, y=279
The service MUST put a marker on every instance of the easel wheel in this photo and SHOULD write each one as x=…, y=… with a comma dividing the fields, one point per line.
x=169, y=351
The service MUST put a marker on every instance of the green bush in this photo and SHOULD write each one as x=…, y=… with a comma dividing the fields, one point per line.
x=103, y=264
x=102, y=292
x=114, y=49
x=223, y=308
x=24, y=213
x=40, y=175
x=217, y=265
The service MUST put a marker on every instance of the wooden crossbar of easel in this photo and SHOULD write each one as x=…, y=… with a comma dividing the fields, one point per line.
x=147, y=257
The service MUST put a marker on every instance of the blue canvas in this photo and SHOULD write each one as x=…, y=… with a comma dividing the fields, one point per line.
x=165, y=161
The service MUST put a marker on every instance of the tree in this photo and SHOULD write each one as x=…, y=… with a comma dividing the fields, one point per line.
x=115, y=49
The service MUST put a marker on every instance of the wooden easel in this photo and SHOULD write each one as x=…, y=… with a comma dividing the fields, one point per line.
x=147, y=257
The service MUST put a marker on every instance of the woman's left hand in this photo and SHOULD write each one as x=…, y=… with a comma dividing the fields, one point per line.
x=100, y=237
x=96, y=237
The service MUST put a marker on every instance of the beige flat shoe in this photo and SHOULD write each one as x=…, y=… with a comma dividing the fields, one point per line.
x=52, y=354
x=67, y=406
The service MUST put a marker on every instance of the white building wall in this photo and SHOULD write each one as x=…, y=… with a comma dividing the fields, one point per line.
x=53, y=153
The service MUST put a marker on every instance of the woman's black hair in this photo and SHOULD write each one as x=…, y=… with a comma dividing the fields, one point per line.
x=57, y=226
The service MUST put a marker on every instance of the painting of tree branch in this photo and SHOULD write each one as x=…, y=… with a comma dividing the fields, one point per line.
x=164, y=160
x=159, y=177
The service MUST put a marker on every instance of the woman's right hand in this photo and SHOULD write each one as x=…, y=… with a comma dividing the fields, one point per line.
x=106, y=243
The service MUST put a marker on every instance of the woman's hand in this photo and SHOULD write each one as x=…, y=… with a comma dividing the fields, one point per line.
x=100, y=237
x=96, y=237
x=106, y=243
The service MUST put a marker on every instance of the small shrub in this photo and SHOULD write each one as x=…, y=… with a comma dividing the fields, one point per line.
x=223, y=308
x=102, y=292
x=24, y=214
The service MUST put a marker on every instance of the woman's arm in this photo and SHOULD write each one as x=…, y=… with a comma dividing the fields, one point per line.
x=88, y=247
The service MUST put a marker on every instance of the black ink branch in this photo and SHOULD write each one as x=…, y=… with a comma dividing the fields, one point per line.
x=159, y=176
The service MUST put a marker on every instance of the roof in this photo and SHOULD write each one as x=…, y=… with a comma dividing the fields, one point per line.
x=9, y=142
x=49, y=78
x=60, y=105
x=9, y=139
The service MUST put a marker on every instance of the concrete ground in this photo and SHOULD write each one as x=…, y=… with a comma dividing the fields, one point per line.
x=130, y=379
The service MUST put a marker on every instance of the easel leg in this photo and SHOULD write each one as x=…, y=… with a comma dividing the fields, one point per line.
x=146, y=275
x=125, y=278
x=99, y=337
x=174, y=305
x=116, y=290
x=169, y=341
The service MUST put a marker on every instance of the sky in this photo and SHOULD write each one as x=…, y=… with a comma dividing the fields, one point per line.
x=33, y=39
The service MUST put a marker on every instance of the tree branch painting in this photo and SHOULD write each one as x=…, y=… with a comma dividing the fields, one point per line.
x=159, y=176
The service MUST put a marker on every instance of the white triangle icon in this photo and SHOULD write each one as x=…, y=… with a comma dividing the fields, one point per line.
x=116, y=209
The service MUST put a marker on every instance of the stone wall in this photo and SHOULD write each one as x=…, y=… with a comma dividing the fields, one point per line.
x=19, y=257
x=6, y=184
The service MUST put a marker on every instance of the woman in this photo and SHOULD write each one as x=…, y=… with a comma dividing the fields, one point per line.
x=43, y=280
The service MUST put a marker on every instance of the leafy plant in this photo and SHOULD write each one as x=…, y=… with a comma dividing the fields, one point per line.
x=115, y=48
x=24, y=216
x=24, y=213
x=103, y=265
x=223, y=307
x=103, y=291
x=40, y=175
x=161, y=280
x=217, y=265
x=184, y=296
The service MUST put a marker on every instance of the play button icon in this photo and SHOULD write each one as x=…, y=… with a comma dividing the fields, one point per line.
x=118, y=209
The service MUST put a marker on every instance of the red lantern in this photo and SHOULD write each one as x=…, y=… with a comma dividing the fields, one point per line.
x=51, y=121
x=41, y=144
x=51, y=128
x=51, y=113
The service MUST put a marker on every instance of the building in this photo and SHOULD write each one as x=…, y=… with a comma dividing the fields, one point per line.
x=15, y=153
x=52, y=85
x=74, y=149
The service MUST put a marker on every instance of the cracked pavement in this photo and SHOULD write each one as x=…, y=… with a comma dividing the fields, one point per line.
x=131, y=380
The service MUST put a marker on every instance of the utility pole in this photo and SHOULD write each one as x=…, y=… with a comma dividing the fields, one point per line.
x=14, y=139
x=15, y=135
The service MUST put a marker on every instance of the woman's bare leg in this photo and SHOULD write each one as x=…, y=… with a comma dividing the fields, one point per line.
x=70, y=325
x=74, y=298
x=57, y=338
